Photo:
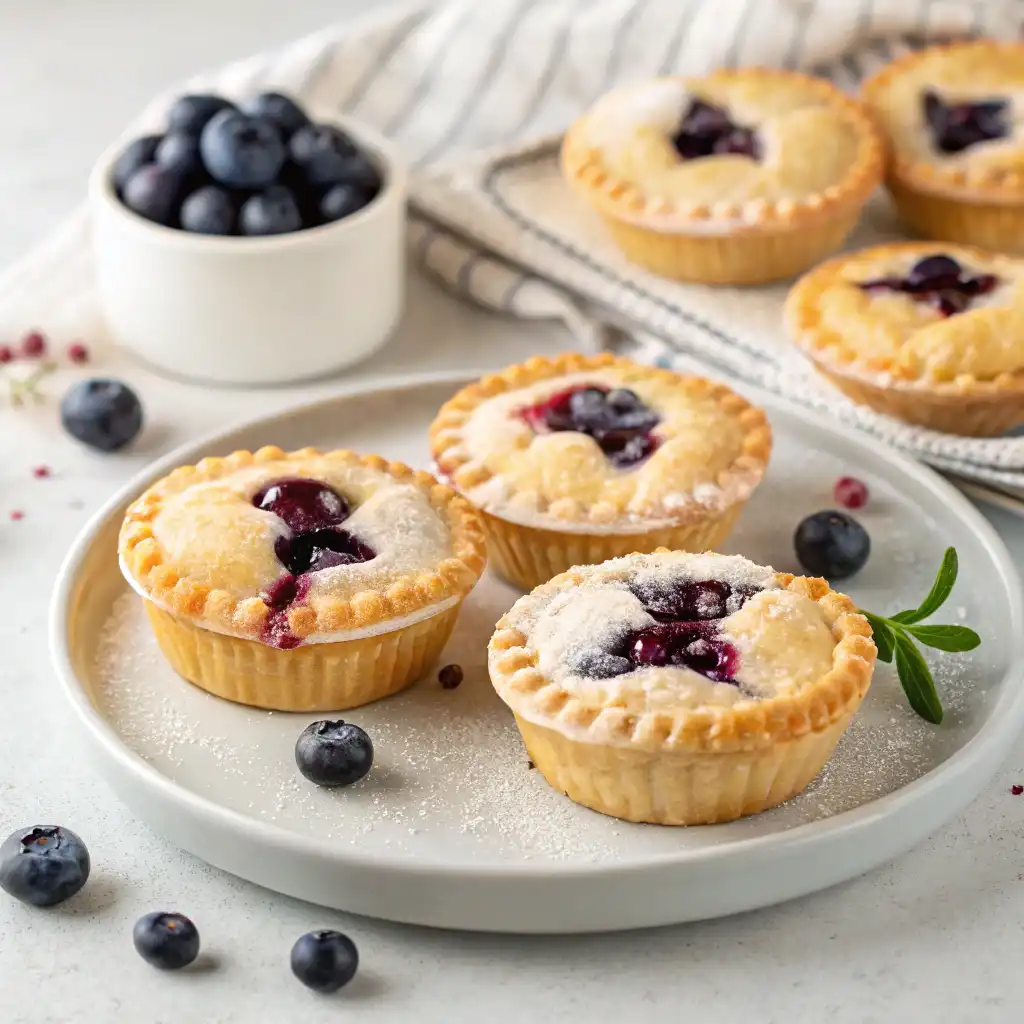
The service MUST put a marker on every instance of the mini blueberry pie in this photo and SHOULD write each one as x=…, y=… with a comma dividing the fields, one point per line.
x=930, y=333
x=577, y=459
x=954, y=118
x=301, y=580
x=740, y=177
x=681, y=689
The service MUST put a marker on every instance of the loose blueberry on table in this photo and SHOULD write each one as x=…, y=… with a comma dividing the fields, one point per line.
x=686, y=636
x=940, y=281
x=166, y=940
x=103, y=414
x=707, y=130
x=264, y=169
x=958, y=126
x=325, y=960
x=43, y=865
x=832, y=544
x=313, y=512
x=616, y=418
x=333, y=753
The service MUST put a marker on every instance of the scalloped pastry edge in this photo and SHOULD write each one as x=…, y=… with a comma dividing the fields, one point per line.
x=587, y=173
x=168, y=586
x=746, y=725
x=803, y=322
x=740, y=478
x=967, y=183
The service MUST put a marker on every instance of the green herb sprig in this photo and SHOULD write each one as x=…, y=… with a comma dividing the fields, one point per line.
x=28, y=389
x=895, y=639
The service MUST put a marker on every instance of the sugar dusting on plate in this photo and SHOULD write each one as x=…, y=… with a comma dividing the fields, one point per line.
x=451, y=779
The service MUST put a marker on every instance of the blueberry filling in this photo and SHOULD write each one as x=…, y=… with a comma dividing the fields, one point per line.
x=615, y=418
x=958, y=126
x=707, y=130
x=686, y=636
x=938, y=281
x=312, y=511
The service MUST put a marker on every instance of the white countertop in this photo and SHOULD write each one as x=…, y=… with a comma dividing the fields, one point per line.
x=936, y=936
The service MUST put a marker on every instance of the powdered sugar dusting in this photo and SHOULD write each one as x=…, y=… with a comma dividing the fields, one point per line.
x=576, y=630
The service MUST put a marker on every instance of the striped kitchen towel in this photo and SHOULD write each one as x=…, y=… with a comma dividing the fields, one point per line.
x=476, y=94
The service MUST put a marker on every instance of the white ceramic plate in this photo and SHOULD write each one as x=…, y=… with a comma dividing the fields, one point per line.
x=452, y=828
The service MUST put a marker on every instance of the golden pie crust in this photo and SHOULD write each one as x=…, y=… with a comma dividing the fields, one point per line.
x=202, y=557
x=551, y=501
x=727, y=219
x=689, y=764
x=975, y=196
x=173, y=586
x=961, y=374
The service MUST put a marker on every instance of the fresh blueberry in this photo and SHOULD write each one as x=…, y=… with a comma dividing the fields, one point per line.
x=210, y=210
x=333, y=753
x=43, y=865
x=103, y=414
x=342, y=201
x=192, y=113
x=242, y=151
x=155, y=192
x=179, y=151
x=272, y=212
x=166, y=940
x=136, y=154
x=324, y=154
x=359, y=169
x=325, y=961
x=832, y=544
x=282, y=110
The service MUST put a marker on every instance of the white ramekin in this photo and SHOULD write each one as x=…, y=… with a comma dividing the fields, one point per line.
x=253, y=310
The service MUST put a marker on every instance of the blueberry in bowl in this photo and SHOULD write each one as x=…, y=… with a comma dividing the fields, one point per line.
x=270, y=143
x=232, y=241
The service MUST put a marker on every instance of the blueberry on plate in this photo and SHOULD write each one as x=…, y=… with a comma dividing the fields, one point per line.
x=282, y=110
x=325, y=961
x=166, y=940
x=333, y=753
x=322, y=153
x=242, y=151
x=136, y=154
x=43, y=865
x=273, y=212
x=103, y=414
x=832, y=544
x=191, y=113
x=210, y=210
x=179, y=151
x=341, y=201
x=155, y=192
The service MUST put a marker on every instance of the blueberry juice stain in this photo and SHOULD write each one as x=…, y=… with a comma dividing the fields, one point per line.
x=313, y=512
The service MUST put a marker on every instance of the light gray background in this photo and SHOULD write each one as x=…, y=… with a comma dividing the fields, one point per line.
x=937, y=936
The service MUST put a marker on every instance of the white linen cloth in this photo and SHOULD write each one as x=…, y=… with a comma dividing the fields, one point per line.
x=475, y=93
